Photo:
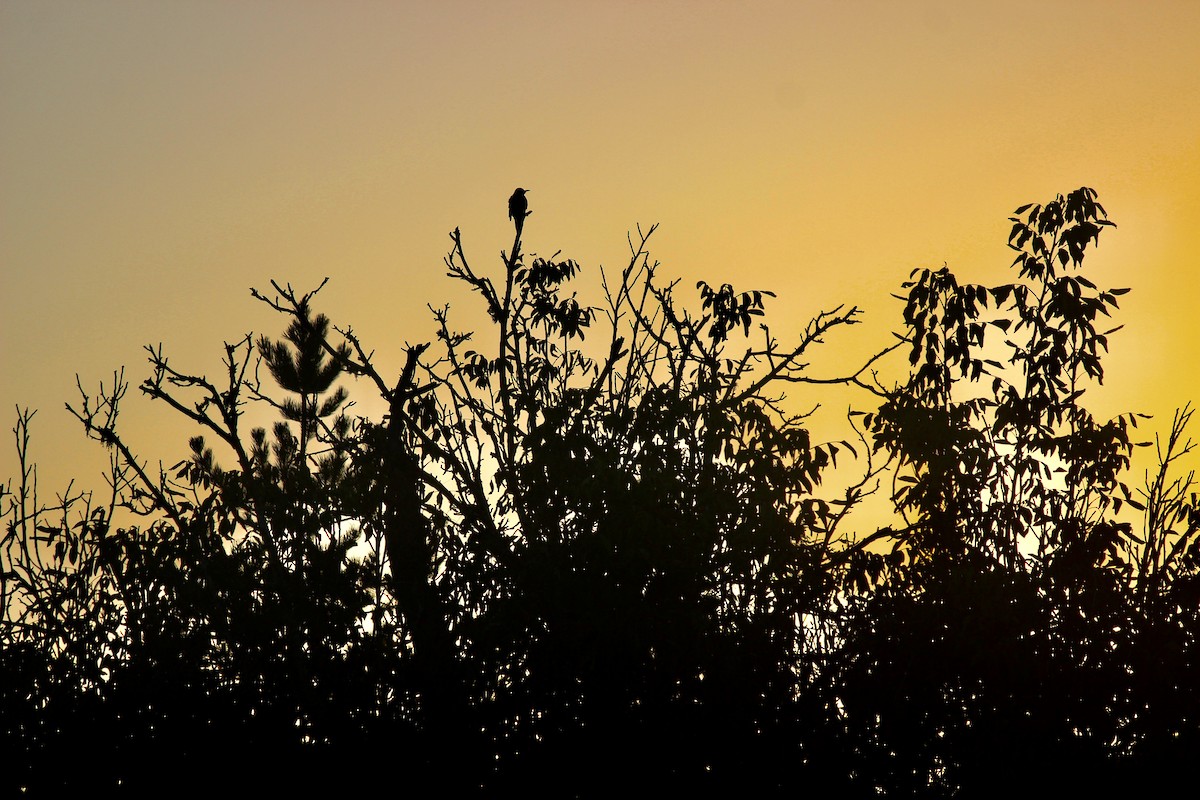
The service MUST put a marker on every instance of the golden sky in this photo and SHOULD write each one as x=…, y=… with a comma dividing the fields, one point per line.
x=157, y=159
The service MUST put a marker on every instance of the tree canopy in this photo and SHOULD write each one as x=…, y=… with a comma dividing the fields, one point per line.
x=595, y=546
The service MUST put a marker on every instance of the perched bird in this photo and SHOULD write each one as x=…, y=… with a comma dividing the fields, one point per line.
x=518, y=208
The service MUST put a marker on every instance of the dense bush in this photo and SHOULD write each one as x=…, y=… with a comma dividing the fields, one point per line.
x=592, y=548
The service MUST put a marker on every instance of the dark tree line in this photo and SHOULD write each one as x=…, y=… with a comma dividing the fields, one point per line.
x=595, y=548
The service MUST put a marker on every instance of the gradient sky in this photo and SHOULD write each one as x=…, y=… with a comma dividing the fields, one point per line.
x=157, y=159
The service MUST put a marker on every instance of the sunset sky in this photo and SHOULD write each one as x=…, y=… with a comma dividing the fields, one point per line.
x=158, y=159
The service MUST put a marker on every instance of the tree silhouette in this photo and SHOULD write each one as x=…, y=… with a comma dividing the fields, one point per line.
x=306, y=370
x=594, y=543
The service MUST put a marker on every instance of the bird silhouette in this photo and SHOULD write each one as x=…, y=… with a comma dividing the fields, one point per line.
x=518, y=208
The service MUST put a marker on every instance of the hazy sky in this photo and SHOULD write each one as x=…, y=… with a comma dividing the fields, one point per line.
x=157, y=159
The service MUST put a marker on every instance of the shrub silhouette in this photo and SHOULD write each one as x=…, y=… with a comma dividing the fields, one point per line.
x=593, y=547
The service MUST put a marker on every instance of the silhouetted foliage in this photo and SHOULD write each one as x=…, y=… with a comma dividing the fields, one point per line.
x=594, y=547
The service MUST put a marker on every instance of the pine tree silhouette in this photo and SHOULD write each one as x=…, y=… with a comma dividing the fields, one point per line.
x=300, y=364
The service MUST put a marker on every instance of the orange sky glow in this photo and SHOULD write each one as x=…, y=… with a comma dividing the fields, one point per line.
x=159, y=159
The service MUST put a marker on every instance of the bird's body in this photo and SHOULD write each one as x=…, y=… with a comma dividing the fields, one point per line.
x=518, y=208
